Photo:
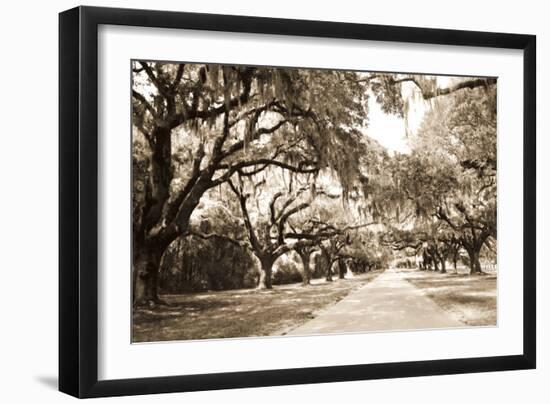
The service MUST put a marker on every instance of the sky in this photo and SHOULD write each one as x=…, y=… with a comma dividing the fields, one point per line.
x=390, y=130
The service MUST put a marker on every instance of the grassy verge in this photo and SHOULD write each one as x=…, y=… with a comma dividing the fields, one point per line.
x=240, y=313
x=470, y=299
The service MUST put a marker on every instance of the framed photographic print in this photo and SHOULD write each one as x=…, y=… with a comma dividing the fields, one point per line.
x=251, y=201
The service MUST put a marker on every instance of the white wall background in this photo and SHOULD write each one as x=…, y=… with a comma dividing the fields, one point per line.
x=28, y=202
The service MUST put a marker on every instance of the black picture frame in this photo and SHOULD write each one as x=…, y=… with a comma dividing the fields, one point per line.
x=78, y=201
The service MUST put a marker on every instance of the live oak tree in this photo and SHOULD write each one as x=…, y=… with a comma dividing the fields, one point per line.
x=425, y=240
x=267, y=234
x=452, y=210
x=304, y=226
x=229, y=119
x=469, y=210
x=454, y=182
x=334, y=220
x=449, y=247
x=418, y=184
x=436, y=246
x=305, y=252
x=177, y=97
x=366, y=251
x=473, y=226
x=330, y=250
x=323, y=237
x=280, y=216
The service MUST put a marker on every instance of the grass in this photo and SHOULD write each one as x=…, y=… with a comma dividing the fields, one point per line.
x=240, y=313
x=470, y=299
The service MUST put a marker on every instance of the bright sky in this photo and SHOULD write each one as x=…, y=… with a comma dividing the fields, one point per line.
x=390, y=130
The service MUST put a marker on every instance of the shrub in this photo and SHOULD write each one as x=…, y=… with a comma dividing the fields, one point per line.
x=286, y=271
x=194, y=265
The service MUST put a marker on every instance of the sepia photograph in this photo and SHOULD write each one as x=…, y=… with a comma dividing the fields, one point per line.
x=290, y=201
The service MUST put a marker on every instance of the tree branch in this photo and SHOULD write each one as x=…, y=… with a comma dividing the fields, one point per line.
x=244, y=210
x=194, y=113
x=471, y=84
x=145, y=103
x=272, y=207
x=174, y=207
x=209, y=236
x=177, y=80
x=264, y=163
x=154, y=79
x=235, y=147
x=284, y=217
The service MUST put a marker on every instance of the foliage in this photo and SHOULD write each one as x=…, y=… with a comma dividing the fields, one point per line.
x=192, y=265
x=206, y=123
x=447, y=185
x=286, y=271
x=258, y=161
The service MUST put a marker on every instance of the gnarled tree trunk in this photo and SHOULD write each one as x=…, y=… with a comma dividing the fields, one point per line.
x=443, y=266
x=475, y=265
x=342, y=269
x=266, y=274
x=436, y=265
x=327, y=262
x=435, y=262
x=305, y=256
x=145, y=276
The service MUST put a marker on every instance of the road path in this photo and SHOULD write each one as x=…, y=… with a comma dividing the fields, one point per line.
x=389, y=302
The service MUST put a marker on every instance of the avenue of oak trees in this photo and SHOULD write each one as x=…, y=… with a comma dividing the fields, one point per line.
x=261, y=162
x=445, y=190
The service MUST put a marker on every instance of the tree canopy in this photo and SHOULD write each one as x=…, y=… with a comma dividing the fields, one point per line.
x=273, y=160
